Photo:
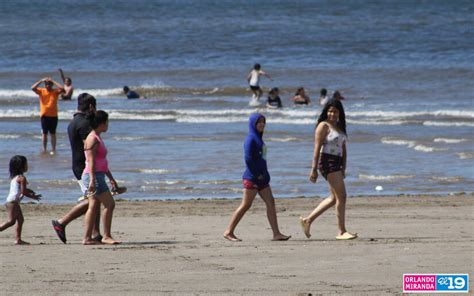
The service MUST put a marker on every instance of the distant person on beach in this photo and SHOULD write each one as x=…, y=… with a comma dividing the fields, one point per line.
x=330, y=157
x=93, y=178
x=253, y=78
x=130, y=93
x=48, y=98
x=78, y=130
x=323, y=97
x=337, y=96
x=68, y=88
x=18, y=189
x=256, y=179
x=301, y=98
x=273, y=100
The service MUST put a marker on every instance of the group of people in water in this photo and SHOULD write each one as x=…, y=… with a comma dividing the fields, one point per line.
x=90, y=167
x=274, y=101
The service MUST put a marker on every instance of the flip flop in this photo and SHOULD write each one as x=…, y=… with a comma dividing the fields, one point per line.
x=60, y=230
x=119, y=190
x=346, y=236
x=305, y=227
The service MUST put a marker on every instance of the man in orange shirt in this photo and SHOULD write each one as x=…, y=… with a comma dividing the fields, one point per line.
x=48, y=98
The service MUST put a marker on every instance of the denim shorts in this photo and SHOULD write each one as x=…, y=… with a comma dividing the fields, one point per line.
x=100, y=184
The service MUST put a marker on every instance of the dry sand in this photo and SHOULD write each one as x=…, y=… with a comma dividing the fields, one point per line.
x=176, y=247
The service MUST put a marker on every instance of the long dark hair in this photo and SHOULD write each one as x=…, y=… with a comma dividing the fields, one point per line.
x=17, y=165
x=97, y=118
x=341, y=123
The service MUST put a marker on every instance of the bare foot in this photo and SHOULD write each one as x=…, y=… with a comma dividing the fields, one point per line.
x=232, y=237
x=346, y=236
x=281, y=237
x=110, y=241
x=21, y=242
x=88, y=242
x=305, y=225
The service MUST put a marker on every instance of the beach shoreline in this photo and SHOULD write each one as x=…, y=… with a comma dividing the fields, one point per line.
x=176, y=247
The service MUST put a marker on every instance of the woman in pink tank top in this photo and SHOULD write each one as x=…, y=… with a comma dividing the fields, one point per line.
x=93, y=179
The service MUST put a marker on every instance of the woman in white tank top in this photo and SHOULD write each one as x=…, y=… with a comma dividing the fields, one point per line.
x=330, y=157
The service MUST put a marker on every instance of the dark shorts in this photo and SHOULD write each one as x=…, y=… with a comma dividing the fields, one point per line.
x=49, y=124
x=251, y=185
x=329, y=163
x=255, y=88
x=100, y=184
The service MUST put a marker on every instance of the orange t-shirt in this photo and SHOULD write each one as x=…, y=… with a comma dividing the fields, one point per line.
x=48, y=102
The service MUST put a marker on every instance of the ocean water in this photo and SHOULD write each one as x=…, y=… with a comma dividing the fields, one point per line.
x=406, y=69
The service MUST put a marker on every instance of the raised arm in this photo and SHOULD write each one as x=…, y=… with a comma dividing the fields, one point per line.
x=320, y=134
x=62, y=75
x=34, y=87
x=58, y=85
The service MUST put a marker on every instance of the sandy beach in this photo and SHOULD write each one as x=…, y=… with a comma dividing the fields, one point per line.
x=176, y=248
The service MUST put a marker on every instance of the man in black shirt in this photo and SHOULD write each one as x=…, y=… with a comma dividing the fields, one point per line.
x=78, y=130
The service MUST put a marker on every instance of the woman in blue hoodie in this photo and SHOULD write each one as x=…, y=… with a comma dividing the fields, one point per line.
x=256, y=179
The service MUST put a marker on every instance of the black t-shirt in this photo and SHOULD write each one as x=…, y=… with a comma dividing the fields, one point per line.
x=78, y=130
x=276, y=102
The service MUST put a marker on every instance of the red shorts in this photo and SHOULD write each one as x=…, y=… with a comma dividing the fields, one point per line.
x=251, y=185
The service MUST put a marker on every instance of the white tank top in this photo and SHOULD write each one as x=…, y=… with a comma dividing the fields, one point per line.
x=15, y=193
x=254, y=78
x=333, y=142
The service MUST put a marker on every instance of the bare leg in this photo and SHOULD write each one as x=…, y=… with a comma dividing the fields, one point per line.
x=254, y=94
x=12, y=215
x=44, y=139
x=323, y=206
x=109, y=204
x=93, y=207
x=259, y=94
x=267, y=196
x=247, y=199
x=76, y=212
x=53, y=142
x=336, y=181
x=19, y=227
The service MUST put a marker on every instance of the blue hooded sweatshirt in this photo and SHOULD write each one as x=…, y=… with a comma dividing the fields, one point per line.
x=255, y=153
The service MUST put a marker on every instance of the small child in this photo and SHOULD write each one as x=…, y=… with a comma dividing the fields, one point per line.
x=18, y=166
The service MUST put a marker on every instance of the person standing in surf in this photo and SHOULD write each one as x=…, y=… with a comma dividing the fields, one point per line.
x=330, y=156
x=256, y=179
x=48, y=98
x=253, y=78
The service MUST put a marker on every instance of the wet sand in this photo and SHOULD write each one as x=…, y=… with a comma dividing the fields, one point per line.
x=176, y=248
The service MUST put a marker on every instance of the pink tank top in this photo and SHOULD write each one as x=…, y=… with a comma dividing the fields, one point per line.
x=101, y=165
